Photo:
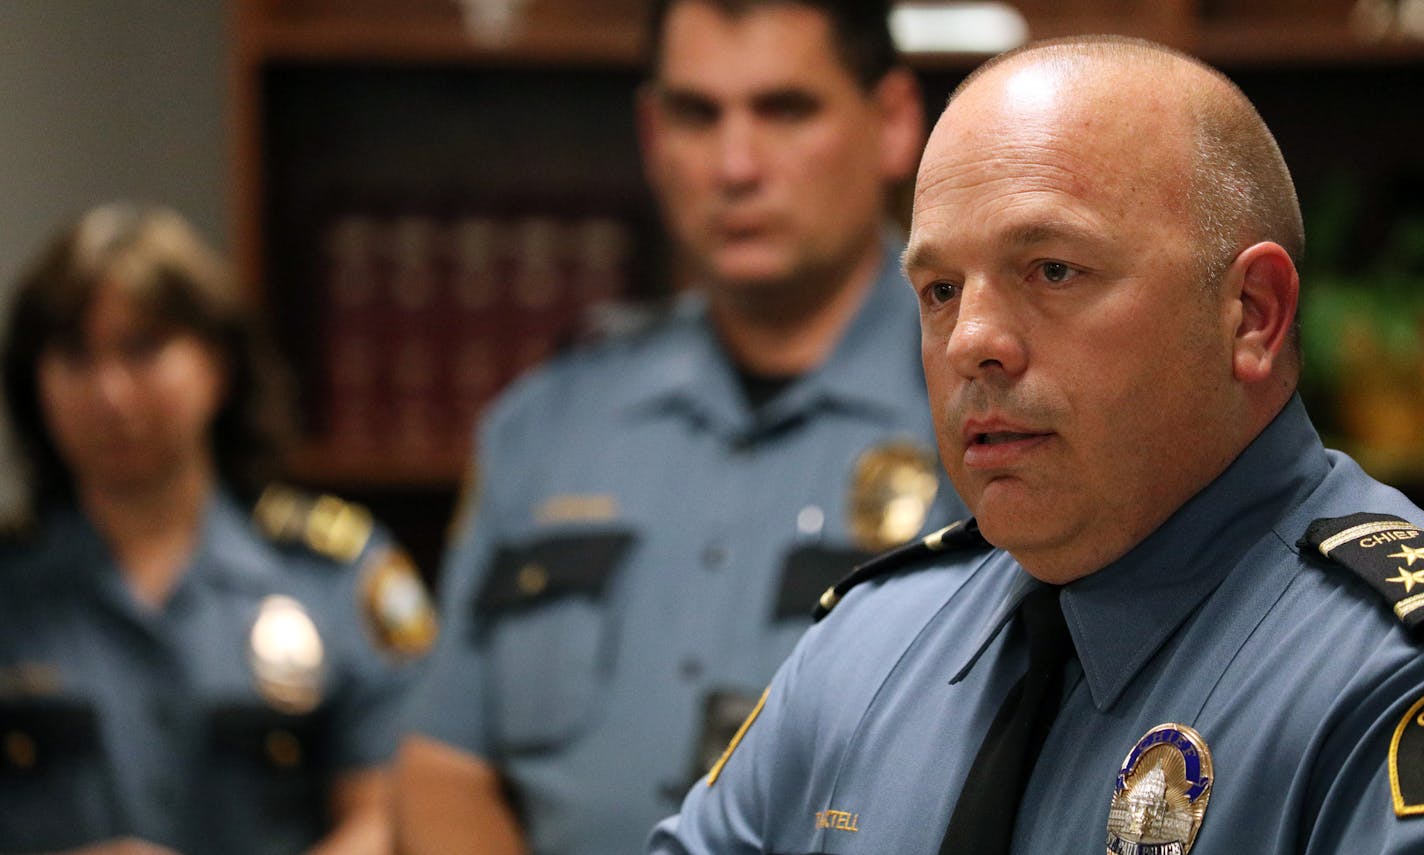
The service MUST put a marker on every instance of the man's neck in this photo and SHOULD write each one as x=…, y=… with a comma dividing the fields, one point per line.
x=152, y=529
x=792, y=329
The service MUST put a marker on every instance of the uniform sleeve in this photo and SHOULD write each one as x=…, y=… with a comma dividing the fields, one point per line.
x=449, y=704
x=1372, y=775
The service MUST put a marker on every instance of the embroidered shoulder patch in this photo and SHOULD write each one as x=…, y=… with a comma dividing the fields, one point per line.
x=1385, y=551
x=396, y=606
x=1406, y=763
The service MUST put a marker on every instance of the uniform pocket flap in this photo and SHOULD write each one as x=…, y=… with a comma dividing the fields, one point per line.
x=279, y=740
x=571, y=565
x=34, y=731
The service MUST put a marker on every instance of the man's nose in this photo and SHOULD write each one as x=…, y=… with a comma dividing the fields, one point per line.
x=739, y=157
x=987, y=336
x=113, y=379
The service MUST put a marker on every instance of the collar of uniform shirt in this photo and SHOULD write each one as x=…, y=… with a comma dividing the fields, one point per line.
x=226, y=555
x=866, y=372
x=70, y=547
x=1122, y=614
x=1018, y=590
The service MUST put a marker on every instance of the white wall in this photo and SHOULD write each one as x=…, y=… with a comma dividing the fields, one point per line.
x=106, y=99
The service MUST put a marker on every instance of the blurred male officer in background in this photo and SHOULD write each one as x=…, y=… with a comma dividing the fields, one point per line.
x=655, y=514
x=1104, y=246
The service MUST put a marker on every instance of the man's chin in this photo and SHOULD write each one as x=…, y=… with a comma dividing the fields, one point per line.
x=127, y=476
x=751, y=268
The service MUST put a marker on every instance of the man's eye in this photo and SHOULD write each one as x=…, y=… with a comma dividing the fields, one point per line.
x=788, y=107
x=943, y=292
x=1056, y=271
x=688, y=111
x=142, y=346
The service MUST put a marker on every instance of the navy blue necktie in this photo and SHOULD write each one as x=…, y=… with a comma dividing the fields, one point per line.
x=983, y=818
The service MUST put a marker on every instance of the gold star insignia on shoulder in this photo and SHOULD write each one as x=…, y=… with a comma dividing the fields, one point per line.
x=1408, y=579
x=1409, y=554
x=1360, y=542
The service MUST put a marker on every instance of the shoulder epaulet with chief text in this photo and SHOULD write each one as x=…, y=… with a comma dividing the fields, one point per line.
x=1384, y=550
x=326, y=525
x=958, y=536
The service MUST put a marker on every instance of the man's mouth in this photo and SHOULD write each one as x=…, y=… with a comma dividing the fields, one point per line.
x=992, y=443
x=1000, y=437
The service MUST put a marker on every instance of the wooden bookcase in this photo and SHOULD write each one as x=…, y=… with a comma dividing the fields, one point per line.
x=402, y=114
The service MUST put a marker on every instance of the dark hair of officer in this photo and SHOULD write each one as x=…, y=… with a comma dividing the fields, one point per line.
x=860, y=29
x=182, y=284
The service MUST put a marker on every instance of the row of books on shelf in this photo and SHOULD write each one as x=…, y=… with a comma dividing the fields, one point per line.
x=427, y=317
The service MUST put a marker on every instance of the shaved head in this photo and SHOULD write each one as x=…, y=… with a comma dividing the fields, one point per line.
x=1240, y=191
x=1102, y=242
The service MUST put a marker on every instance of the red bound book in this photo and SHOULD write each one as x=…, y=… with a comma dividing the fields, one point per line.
x=542, y=303
x=351, y=332
x=477, y=273
x=414, y=325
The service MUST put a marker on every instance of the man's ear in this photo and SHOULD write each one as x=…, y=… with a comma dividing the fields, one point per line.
x=902, y=129
x=1265, y=282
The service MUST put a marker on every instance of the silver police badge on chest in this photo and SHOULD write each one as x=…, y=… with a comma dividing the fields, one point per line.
x=286, y=656
x=1161, y=793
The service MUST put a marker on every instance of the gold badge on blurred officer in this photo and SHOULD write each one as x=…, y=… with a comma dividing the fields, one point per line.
x=892, y=488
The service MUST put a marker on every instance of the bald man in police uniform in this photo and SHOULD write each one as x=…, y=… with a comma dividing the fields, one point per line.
x=1104, y=246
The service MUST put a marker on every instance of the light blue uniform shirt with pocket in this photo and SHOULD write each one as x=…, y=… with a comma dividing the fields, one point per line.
x=118, y=719
x=646, y=549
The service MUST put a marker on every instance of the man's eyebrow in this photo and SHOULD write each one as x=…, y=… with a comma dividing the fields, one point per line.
x=784, y=94
x=1034, y=233
x=926, y=254
x=917, y=255
x=673, y=94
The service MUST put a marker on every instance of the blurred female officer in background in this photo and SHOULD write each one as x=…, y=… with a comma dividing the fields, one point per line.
x=184, y=666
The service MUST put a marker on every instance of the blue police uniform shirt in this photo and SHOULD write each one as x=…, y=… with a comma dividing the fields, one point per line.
x=1293, y=672
x=123, y=720
x=645, y=551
